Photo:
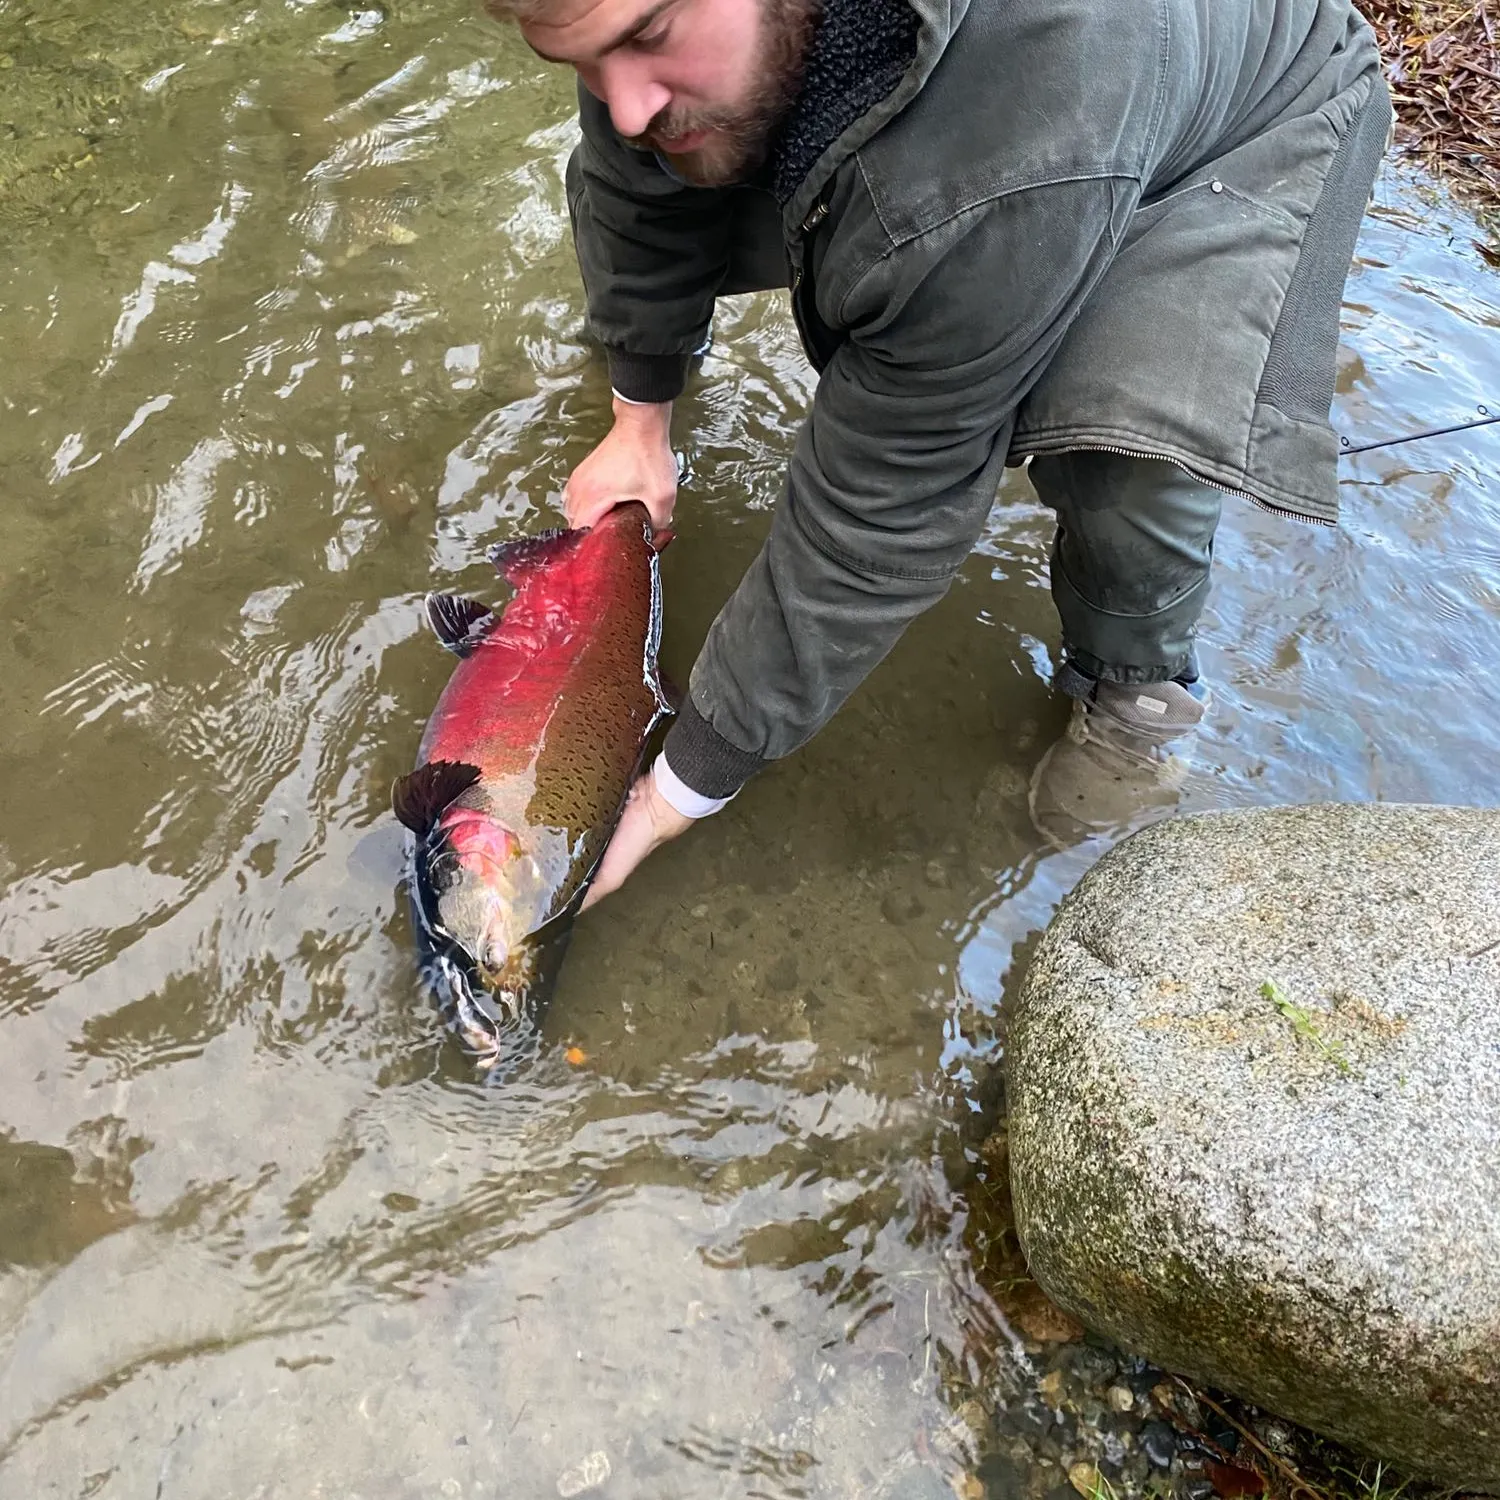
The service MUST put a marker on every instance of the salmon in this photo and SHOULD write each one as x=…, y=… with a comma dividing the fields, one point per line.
x=526, y=762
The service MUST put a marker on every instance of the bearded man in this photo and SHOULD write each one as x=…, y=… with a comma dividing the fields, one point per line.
x=1109, y=237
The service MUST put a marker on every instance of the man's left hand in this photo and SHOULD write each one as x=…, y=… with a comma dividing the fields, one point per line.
x=647, y=822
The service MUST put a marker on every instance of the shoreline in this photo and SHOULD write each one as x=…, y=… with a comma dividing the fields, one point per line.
x=1442, y=60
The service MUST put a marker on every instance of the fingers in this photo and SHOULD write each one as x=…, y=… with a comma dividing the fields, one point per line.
x=633, y=840
x=647, y=822
x=609, y=877
x=584, y=510
x=634, y=462
x=584, y=506
x=660, y=509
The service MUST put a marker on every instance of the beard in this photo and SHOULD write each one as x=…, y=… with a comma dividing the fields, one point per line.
x=740, y=135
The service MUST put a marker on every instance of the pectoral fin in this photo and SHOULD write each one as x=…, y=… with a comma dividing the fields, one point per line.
x=419, y=798
x=457, y=622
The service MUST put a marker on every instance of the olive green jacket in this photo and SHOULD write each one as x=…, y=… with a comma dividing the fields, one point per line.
x=1068, y=224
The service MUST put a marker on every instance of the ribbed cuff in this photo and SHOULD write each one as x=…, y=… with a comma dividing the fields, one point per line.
x=648, y=378
x=703, y=759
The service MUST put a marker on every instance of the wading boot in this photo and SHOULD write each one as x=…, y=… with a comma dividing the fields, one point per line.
x=1114, y=770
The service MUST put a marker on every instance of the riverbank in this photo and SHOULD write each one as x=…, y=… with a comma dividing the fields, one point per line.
x=1443, y=61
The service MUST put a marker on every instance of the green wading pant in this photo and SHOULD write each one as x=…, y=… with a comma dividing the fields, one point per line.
x=1130, y=560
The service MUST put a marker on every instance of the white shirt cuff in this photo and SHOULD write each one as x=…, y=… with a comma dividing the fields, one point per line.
x=680, y=795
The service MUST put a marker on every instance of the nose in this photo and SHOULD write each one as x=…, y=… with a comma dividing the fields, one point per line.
x=634, y=97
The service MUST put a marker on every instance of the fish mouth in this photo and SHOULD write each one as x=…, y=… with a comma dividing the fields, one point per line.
x=477, y=1012
x=481, y=1008
x=491, y=1013
x=481, y=1016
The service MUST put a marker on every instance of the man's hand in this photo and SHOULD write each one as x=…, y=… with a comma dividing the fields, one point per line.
x=634, y=462
x=648, y=821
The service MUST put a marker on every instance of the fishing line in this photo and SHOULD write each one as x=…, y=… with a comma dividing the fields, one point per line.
x=1485, y=419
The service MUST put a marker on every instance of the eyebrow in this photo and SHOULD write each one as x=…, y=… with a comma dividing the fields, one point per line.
x=636, y=27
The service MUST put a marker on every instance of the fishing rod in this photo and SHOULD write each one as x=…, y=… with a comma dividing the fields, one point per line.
x=1485, y=419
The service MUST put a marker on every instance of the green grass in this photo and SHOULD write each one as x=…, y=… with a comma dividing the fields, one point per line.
x=1367, y=1486
x=1306, y=1028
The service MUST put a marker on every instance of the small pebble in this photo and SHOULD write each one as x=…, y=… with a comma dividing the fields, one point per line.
x=701, y=910
x=974, y=1415
x=586, y=1475
x=1121, y=1397
x=1159, y=1443
x=1277, y=1436
x=782, y=975
x=1050, y=1387
x=1085, y=1479
x=1094, y=1367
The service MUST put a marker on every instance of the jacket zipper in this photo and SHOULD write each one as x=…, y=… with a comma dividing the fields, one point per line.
x=818, y=213
x=810, y=223
x=1213, y=484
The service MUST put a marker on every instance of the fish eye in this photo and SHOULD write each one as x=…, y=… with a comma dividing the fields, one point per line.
x=443, y=868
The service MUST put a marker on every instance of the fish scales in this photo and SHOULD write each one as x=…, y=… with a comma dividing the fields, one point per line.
x=526, y=762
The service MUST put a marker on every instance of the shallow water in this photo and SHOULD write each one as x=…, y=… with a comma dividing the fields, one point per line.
x=292, y=330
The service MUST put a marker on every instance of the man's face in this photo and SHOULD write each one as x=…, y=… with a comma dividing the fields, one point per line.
x=704, y=82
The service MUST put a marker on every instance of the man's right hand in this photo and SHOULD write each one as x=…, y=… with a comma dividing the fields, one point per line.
x=634, y=462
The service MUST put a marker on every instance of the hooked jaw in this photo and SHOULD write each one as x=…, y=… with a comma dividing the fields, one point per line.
x=479, y=1015
x=473, y=926
x=490, y=950
x=485, y=1009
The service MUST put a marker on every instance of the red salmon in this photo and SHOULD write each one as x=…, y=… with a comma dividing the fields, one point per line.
x=525, y=765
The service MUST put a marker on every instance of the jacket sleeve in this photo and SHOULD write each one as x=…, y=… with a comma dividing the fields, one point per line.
x=653, y=253
x=895, y=469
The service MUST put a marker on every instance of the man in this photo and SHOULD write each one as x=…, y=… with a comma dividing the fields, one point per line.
x=1107, y=236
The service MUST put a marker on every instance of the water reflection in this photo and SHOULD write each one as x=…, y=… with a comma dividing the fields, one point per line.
x=300, y=341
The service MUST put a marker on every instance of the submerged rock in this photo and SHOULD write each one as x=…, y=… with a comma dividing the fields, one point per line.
x=1254, y=1085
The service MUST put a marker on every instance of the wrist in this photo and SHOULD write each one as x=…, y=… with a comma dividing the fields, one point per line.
x=679, y=796
x=643, y=419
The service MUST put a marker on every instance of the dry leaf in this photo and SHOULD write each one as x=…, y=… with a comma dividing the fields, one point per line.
x=1232, y=1482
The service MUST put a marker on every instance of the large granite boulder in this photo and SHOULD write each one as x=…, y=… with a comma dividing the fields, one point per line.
x=1254, y=1085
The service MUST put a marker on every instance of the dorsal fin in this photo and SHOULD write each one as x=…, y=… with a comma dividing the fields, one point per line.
x=458, y=622
x=517, y=560
x=419, y=798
